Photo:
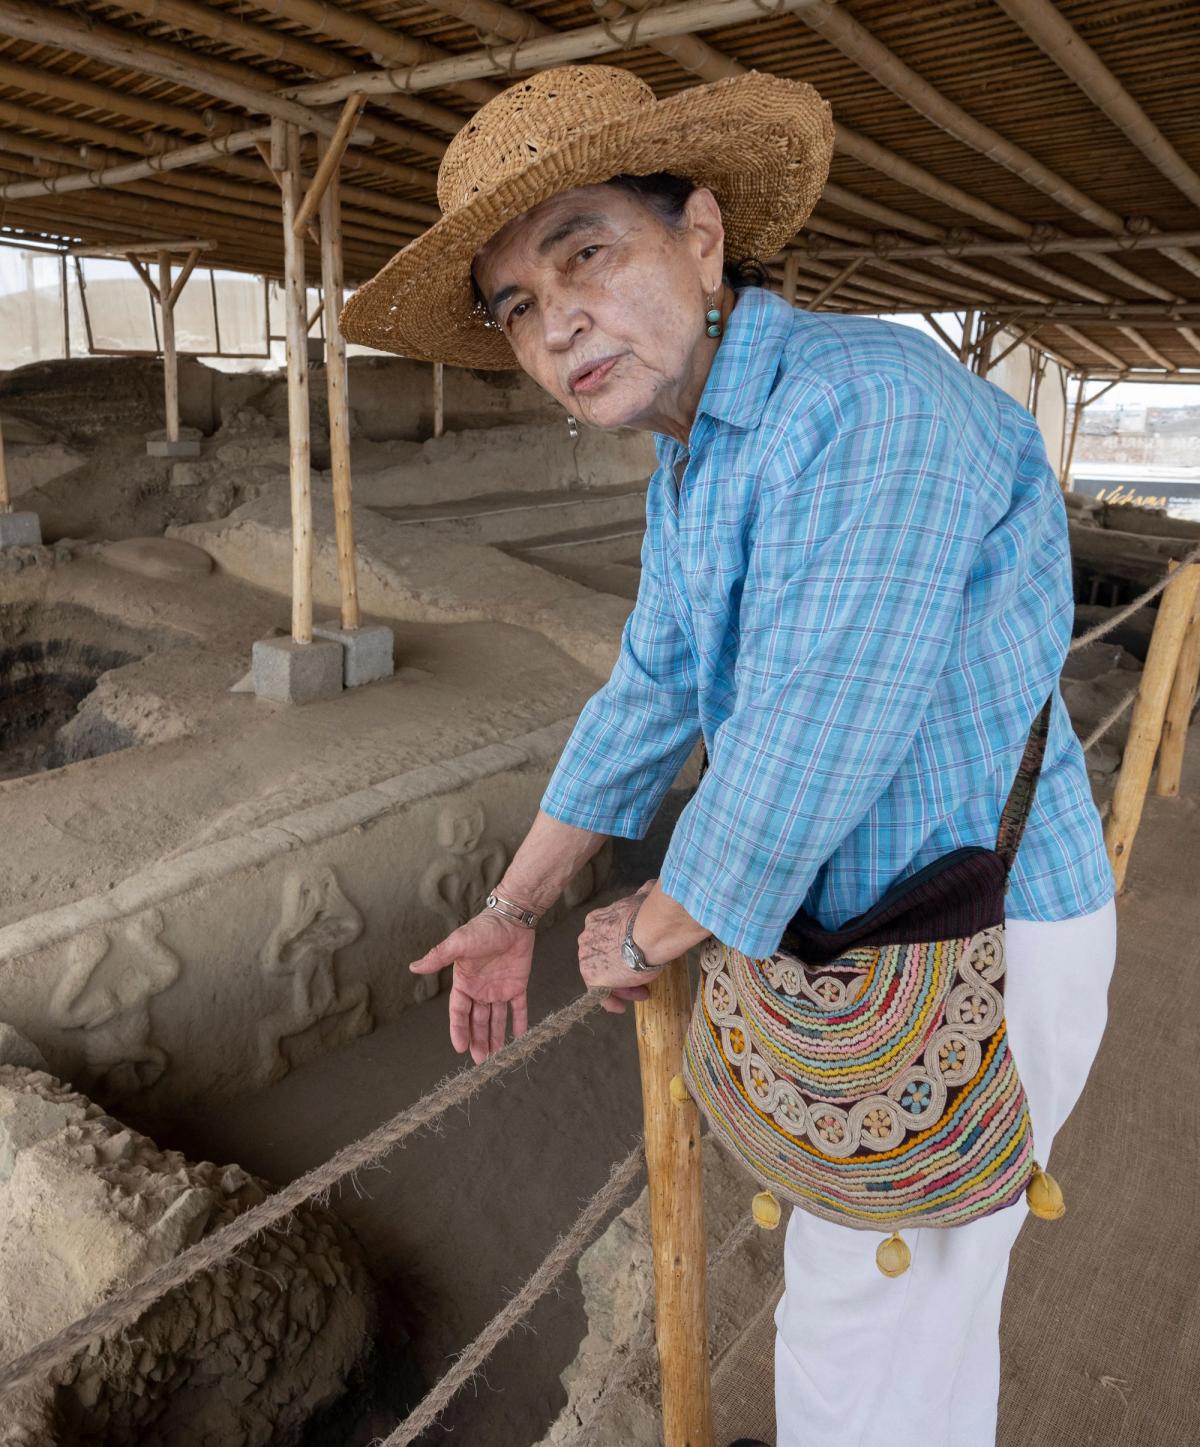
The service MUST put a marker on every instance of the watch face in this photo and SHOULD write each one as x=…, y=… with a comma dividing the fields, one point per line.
x=632, y=955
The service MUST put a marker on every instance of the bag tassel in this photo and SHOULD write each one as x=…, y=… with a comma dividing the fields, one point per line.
x=766, y=1210
x=893, y=1256
x=1045, y=1196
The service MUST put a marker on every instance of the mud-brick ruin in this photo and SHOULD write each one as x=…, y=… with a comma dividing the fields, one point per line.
x=291, y=636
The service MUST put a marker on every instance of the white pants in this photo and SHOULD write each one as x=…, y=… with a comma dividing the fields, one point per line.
x=862, y=1360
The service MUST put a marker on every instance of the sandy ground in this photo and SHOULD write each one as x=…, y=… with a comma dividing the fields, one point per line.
x=215, y=763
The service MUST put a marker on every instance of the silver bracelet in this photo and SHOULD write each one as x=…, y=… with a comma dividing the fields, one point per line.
x=506, y=909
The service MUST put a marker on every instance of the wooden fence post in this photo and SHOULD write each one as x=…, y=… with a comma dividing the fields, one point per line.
x=1179, y=710
x=1175, y=611
x=676, y=1189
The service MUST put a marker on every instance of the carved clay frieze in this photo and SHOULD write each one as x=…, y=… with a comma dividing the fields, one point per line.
x=317, y=920
x=105, y=994
x=458, y=881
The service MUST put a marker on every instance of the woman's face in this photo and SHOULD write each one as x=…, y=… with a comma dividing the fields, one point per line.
x=604, y=303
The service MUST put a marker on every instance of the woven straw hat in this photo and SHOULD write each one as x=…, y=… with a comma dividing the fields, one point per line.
x=760, y=143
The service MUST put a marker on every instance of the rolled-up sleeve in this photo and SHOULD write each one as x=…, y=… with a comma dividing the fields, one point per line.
x=634, y=735
x=852, y=597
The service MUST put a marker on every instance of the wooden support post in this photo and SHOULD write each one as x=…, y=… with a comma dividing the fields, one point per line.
x=291, y=186
x=968, y=329
x=1064, y=479
x=330, y=155
x=439, y=399
x=676, y=1212
x=337, y=392
x=5, y=495
x=1179, y=710
x=170, y=360
x=1175, y=611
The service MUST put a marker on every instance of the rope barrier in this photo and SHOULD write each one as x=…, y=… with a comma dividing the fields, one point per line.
x=1109, y=719
x=125, y=1308
x=566, y=1249
x=1101, y=629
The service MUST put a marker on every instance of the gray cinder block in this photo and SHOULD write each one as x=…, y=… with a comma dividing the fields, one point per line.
x=291, y=672
x=187, y=444
x=20, y=530
x=368, y=653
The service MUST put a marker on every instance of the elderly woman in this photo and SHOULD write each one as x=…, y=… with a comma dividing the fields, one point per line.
x=855, y=589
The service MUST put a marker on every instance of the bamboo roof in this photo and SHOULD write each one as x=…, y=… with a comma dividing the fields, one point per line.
x=1015, y=156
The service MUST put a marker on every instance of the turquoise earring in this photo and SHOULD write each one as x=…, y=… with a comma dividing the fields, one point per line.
x=713, y=317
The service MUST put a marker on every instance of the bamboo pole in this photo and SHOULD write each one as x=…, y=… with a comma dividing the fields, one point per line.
x=1064, y=477
x=337, y=383
x=439, y=399
x=291, y=185
x=239, y=85
x=1046, y=27
x=367, y=34
x=1051, y=246
x=1179, y=710
x=676, y=1188
x=329, y=159
x=281, y=45
x=1175, y=611
x=578, y=44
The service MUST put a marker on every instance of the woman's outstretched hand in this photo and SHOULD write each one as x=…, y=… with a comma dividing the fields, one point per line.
x=492, y=959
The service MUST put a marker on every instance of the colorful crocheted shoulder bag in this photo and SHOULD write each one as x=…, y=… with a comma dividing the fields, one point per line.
x=865, y=1073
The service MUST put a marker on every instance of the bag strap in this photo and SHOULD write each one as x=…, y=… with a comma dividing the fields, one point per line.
x=1024, y=786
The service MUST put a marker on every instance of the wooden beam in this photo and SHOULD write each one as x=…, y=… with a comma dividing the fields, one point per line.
x=185, y=271
x=330, y=159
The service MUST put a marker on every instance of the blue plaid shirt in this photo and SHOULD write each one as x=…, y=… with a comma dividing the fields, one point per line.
x=859, y=591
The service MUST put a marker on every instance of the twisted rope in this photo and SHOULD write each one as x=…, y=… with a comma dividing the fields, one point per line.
x=565, y=1250
x=125, y=1308
x=1130, y=609
x=1108, y=720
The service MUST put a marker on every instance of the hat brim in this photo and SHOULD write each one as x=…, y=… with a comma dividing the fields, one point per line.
x=760, y=143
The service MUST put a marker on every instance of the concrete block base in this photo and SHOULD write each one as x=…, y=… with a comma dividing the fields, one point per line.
x=291, y=672
x=368, y=652
x=22, y=530
x=187, y=444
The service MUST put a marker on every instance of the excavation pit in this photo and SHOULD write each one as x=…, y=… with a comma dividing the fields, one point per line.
x=51, y=661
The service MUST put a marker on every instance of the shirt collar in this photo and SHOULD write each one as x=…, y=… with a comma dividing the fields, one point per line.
x=747, y=361
x=746, y=364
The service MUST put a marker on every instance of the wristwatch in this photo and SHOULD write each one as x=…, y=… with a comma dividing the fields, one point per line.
x=632, y=953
